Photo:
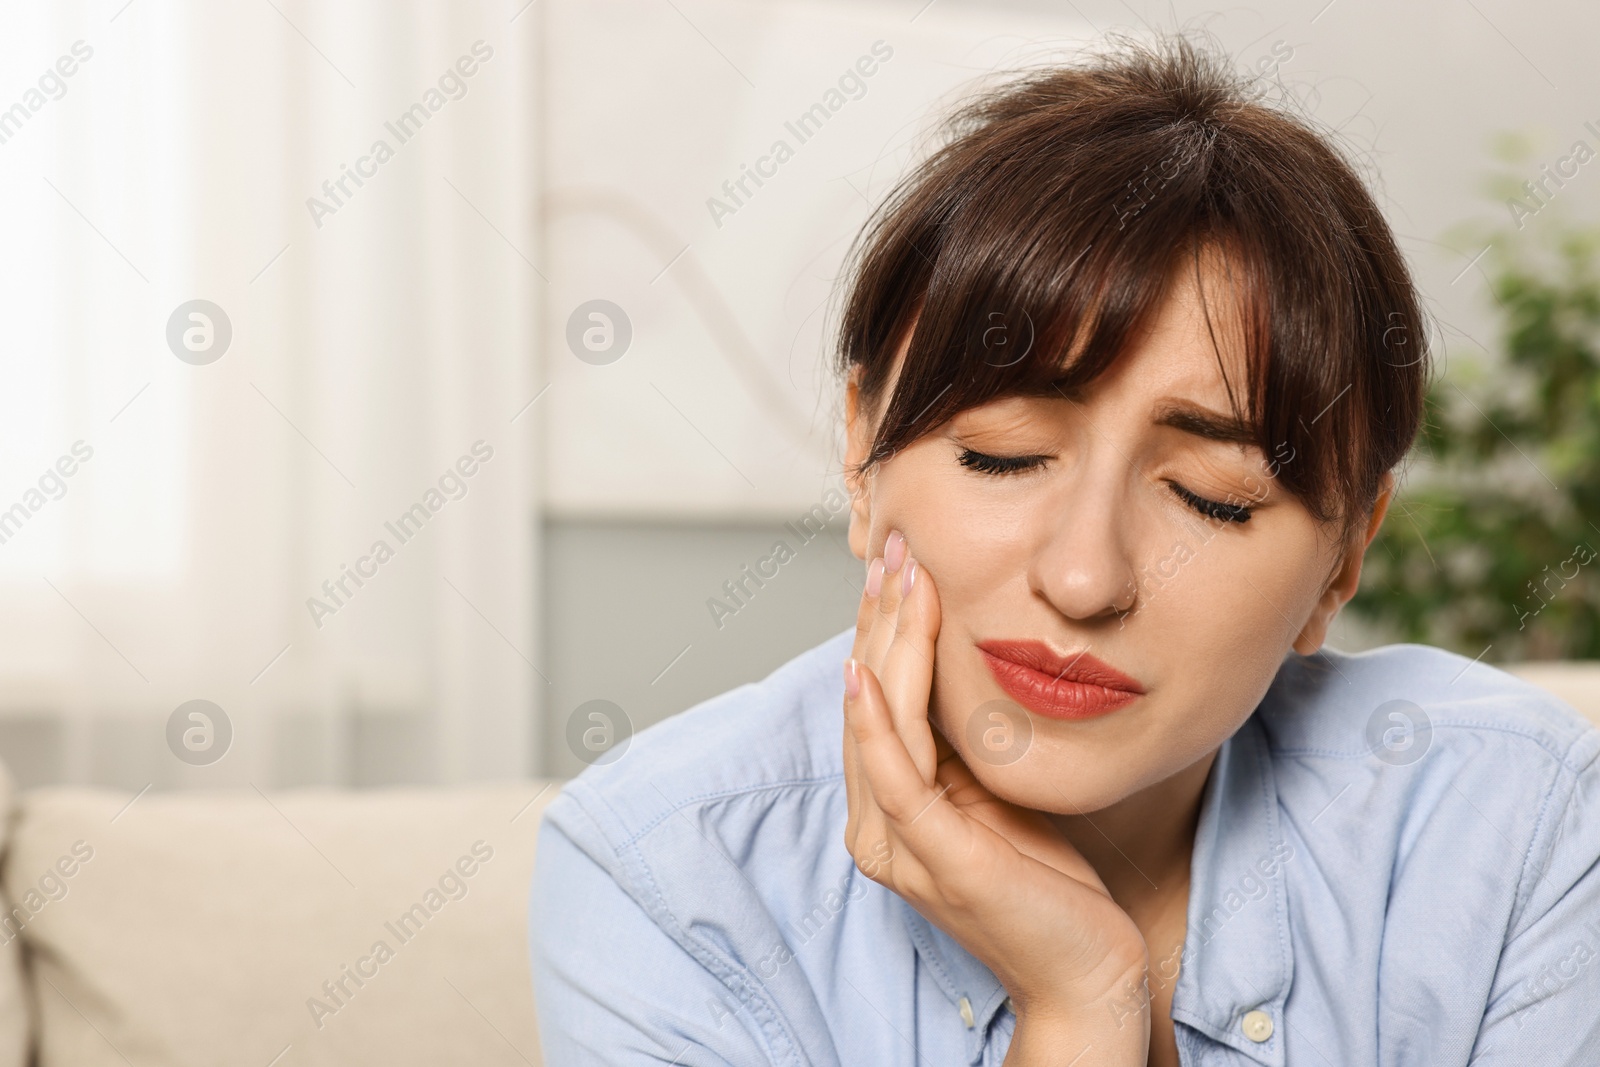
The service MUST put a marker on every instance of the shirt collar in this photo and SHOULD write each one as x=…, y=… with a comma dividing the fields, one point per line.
x=1236, y=957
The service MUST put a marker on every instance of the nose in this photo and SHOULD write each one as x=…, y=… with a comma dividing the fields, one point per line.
x=1083, y=565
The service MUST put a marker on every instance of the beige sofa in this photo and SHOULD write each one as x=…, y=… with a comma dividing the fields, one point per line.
x=259, y=928
x=287, y=929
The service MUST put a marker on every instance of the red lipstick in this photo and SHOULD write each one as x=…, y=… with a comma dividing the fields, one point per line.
x=1076, y=686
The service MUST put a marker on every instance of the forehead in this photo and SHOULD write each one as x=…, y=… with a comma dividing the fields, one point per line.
x=1193, y=344
x=1182, y=371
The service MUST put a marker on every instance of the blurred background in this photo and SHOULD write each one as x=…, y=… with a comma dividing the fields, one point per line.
x=400, y=380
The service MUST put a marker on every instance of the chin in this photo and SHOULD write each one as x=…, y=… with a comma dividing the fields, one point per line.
x=1055, y=775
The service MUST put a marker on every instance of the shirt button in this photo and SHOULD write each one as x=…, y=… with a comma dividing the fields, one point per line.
x=966, y=1012
x=1257, y=1025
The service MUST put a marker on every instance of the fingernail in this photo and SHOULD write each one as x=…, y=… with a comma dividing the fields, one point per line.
x=852, y=679
x=894, y=551
x=909, y=577
x=875, y=577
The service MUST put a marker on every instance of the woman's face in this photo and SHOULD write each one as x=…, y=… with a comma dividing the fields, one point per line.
x=1092, y=544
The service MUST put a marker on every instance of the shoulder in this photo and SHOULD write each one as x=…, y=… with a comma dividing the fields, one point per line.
x=1438, y=778
x=1360, y=705
x=721, y=832
x=754, y=744
x=673, y=880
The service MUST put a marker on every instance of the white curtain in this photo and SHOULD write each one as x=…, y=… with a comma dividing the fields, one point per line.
x=380, y=365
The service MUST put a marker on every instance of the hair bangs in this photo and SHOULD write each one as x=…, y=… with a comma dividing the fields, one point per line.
x=1027, y=254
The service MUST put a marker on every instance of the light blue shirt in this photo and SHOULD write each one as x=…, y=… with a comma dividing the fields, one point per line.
x=695, y=904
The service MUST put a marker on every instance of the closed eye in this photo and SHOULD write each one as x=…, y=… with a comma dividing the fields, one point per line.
x=1213, y=509
x=984, y=463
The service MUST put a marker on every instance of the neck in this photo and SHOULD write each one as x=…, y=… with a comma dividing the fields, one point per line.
x=1141, y=845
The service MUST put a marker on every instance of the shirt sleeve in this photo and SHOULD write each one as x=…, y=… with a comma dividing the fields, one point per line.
x=1545, y=1005
x=611, y=986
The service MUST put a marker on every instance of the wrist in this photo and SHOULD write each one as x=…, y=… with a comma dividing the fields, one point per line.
x=1116, y=991
x=1114, y=1023
x=1093, y=1038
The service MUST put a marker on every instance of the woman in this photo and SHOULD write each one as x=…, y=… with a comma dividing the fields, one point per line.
x=1129, y=363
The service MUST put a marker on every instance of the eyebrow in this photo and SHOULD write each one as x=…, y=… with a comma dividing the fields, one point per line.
x=1187, y=417
x=1203, y=422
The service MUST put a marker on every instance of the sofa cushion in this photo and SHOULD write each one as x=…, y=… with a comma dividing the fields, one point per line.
x=1575, y=681
x=15, y=1027
x=306, y=927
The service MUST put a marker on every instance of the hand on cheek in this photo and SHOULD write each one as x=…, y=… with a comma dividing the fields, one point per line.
x=995, y=877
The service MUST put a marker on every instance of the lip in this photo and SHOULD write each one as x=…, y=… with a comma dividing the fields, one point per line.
x=1075, y=686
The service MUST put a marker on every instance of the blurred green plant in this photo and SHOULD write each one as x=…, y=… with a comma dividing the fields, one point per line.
x=1493, y=547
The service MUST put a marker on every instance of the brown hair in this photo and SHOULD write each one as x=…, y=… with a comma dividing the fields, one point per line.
x=1058, y=209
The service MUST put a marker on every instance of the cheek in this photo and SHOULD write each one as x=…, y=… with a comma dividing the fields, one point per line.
x=974, y=543
x=1226, y=621
x=978, y=553
x=1257, y=587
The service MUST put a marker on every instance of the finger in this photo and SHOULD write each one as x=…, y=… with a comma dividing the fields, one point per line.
x=914, y=810
x=867, y=621
x=867, y=616
x=852, y=791
x=864, y=821
x=886, y=592
x=887, y=600
x=853, y=787
x=908, y=664
x=869, y=836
